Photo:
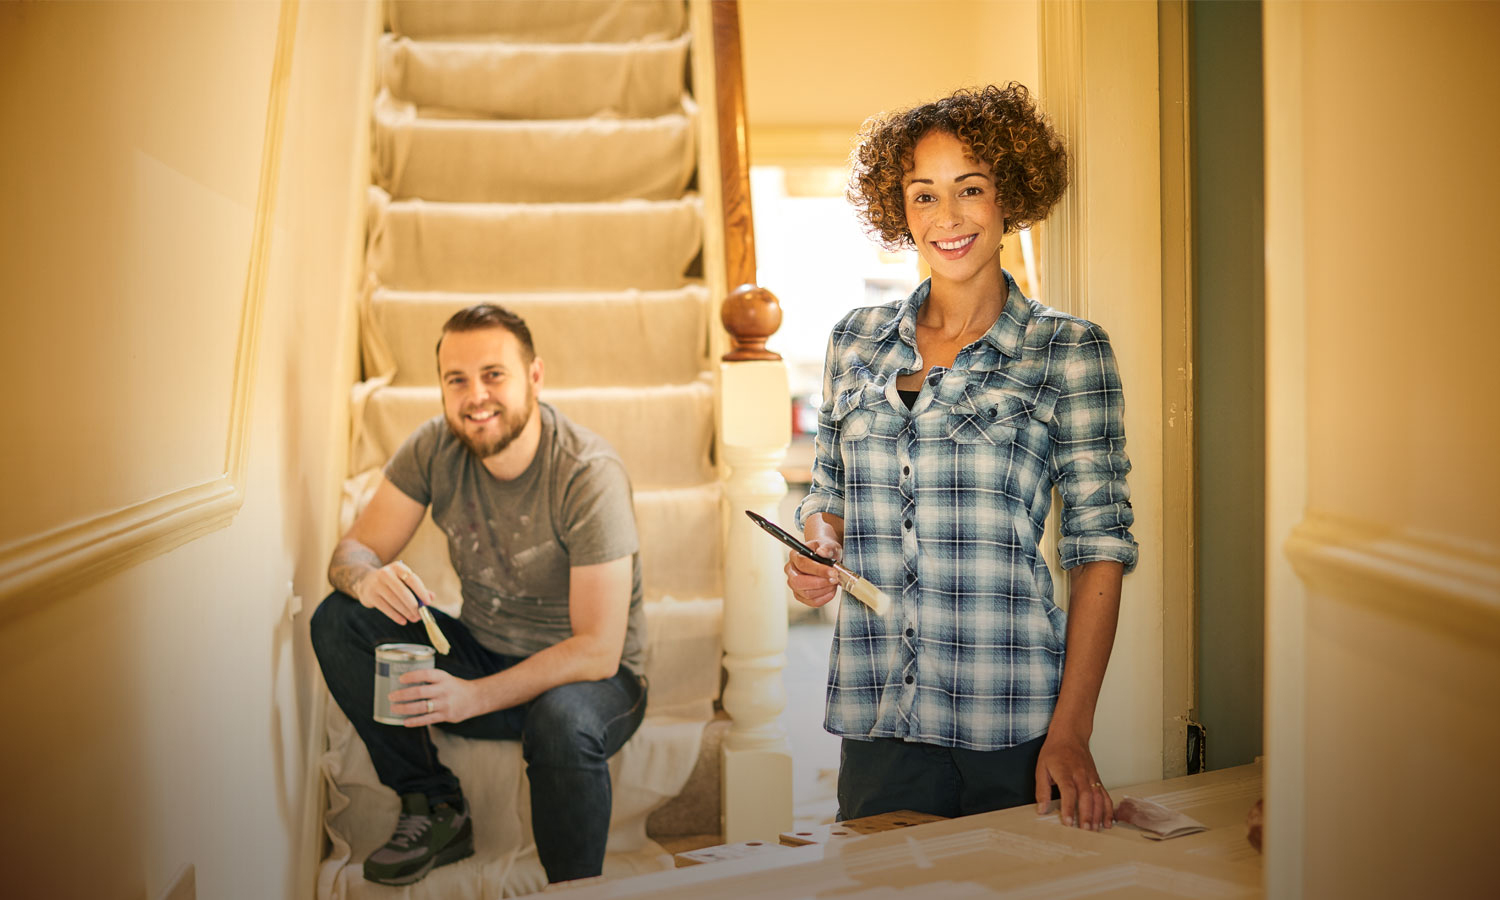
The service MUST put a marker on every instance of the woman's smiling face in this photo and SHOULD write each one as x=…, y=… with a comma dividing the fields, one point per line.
x=951, y=209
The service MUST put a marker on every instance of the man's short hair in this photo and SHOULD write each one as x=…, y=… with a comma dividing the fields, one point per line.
x=489, y=315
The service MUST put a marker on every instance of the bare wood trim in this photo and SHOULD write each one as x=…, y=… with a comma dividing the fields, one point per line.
x=700, y=14
x=1063, y=233
x=734, y=144
x=73, y=556
x=750, y=307
x=1431, y=581
x=1179, y=626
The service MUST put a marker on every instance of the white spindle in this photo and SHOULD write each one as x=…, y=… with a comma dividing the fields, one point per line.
x=755, y=430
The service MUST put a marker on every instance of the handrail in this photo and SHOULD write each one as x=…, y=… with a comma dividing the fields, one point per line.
x=750, y=313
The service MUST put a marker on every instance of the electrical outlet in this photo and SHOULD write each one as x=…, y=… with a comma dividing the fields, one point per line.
x=1197, y=748
x=293, y=604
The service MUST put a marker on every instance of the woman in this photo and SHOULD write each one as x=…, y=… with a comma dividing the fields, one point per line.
x=946, y=421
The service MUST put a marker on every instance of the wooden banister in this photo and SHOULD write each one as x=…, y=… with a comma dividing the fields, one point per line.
x=750, y=313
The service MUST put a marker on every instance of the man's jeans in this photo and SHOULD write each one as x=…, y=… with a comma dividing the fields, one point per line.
x=566, y=734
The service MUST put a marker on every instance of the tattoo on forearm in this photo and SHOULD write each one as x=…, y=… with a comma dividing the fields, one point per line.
x=351, y=560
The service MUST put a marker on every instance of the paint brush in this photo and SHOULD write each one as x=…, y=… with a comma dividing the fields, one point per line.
x=434, y=634
x=858, y=587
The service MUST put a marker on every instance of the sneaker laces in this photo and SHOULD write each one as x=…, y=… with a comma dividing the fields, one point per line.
x=409, y=828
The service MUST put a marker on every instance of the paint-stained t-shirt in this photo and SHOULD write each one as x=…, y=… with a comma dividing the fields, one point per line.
x=944, y=505
x=513, y=543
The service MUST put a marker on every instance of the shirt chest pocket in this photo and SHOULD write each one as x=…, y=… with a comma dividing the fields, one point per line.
x=995, y=416
x=853, y=413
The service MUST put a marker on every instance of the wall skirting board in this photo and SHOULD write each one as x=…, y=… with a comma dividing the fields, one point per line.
x=1431, y=580
x=69, y=557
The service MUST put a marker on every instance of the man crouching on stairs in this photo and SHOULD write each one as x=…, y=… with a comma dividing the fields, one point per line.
x=548, y=650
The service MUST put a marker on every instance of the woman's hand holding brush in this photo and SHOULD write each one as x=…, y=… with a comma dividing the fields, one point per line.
x=812, y=582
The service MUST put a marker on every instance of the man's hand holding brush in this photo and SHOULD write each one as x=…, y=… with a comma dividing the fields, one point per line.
x=393, y=589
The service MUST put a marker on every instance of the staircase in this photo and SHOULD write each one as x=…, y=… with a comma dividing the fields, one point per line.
x=541, y=155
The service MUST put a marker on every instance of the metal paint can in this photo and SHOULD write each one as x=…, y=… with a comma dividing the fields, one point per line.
x=391, y=662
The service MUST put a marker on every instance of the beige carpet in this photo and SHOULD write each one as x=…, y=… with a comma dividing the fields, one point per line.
x=637, y=337
x=639, y=79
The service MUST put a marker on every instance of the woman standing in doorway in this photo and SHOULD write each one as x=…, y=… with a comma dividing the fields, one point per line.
x=946, y=421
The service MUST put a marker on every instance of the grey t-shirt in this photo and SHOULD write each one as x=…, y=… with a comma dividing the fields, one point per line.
x=512, y=543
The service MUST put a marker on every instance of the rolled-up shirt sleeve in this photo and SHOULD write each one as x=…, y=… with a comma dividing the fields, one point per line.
x=1088, y=462
x=826, y=493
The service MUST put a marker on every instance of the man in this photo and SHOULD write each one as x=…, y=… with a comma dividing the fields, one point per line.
x=549, y=646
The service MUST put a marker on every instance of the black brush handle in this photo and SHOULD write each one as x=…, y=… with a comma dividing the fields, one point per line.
x=782, y=535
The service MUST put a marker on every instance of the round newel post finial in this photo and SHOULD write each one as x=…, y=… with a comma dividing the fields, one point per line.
x=751, y=314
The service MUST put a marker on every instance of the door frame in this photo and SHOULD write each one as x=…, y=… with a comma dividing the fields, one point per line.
x=1117, y=253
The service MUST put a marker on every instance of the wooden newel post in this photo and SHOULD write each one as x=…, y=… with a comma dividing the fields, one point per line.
x=751, y=314
x=754, y=432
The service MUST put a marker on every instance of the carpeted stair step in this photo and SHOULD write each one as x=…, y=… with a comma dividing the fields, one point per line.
x=664, y=433
x=530, y=21
x=642, y=244
x=536, y=81
x=633, y=338
x=550, y=161
x=699, y=809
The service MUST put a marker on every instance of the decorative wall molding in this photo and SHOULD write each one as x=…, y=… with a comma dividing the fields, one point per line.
x=1432, y=581
x=72, y=556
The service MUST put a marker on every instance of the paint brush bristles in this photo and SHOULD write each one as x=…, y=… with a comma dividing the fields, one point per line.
x=434, y=634
x=863, y=591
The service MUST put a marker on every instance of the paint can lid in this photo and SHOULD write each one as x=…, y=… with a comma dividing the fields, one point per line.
x=404, y=652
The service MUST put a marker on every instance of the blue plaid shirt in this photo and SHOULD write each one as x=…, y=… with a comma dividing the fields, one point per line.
x=943, y=506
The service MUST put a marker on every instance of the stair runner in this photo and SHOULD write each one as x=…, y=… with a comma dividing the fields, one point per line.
x=539, y=155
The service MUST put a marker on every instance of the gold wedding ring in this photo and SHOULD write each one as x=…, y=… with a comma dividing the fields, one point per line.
x=429, y=706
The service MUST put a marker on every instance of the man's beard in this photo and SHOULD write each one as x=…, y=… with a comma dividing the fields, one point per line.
x=512, y=423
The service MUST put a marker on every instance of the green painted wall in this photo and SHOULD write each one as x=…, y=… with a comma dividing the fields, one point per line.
x=1229, y=373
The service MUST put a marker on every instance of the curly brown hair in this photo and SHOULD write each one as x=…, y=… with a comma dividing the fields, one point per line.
x=1000, y=126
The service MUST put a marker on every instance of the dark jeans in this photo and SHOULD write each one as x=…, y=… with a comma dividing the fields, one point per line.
x=885, y=775
x=567, y=734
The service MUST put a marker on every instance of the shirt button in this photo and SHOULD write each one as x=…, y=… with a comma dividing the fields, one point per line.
x=911, y=632
x=906, y=470
x=910, y=679
x=907, y=523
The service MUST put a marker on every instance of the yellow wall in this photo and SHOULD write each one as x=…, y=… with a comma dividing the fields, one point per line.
x=816, y=69
x=1383, y=633
x=162, y=717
